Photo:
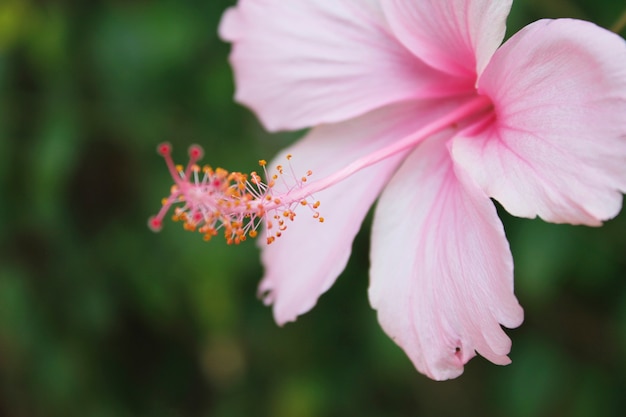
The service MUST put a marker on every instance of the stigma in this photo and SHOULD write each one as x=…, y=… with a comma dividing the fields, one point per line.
x=233, y=204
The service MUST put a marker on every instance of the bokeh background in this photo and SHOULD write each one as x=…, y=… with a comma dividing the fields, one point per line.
x=101, y=317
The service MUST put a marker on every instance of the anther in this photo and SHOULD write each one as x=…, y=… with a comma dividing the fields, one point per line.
x=215, y=201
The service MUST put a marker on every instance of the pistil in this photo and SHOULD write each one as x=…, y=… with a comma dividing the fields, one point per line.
x=237, y=204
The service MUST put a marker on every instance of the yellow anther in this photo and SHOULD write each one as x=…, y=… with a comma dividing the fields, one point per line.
x=321, y=220
x=233, y=204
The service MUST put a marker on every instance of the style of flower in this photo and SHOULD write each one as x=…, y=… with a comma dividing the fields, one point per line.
x=210, y=200
x=416, y=104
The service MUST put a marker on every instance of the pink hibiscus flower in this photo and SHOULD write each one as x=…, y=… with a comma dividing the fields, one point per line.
x=414, y=103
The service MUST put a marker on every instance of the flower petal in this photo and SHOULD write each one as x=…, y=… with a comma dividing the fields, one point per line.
x=441, y=268
x=305, y=261
x=299, y=63
x=558, y=146
x=455, y=36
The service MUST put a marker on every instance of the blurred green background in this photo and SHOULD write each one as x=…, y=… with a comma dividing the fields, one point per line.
x=101, y=317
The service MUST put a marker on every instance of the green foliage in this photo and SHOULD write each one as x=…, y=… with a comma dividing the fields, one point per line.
x=101, y=317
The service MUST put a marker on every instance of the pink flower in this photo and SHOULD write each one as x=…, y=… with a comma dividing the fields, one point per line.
x=413, y=103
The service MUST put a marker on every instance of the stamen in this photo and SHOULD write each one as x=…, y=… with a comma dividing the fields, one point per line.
x=236, y=204
x=478, y=106
x=211, y=201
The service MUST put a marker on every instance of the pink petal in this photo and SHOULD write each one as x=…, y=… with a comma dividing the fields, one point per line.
x=441, y=268
x=558, y=146
x=299, y=63
x=455, y=36
x=305, y=261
